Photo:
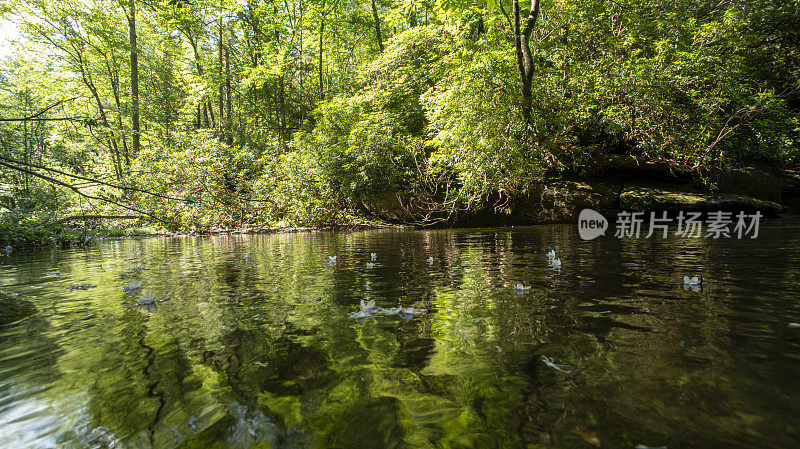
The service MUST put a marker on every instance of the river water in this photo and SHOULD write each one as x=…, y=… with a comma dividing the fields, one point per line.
x=243, y=355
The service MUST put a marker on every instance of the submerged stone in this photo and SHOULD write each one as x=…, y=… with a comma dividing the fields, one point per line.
x=13, y=309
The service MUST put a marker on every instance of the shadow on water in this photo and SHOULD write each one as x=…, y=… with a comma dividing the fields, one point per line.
x=243, y=355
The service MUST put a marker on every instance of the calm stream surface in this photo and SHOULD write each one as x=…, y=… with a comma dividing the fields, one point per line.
x=244, y=356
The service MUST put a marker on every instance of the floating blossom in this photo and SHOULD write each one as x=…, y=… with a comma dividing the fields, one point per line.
x=692, y=281
x=55, y=273
x=370, y=265
x=331, y=259
x=549, y=362
x=794, y=324
x=555, y=263
x=373, y=256
x=551, y=254
x=430, y=260
x=522, y=288
x=131, y=286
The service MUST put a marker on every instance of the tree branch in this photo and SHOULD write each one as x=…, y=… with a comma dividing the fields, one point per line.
x=31, y=117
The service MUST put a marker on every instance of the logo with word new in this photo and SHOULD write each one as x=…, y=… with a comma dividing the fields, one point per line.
x=591, y=224
x=717, y=224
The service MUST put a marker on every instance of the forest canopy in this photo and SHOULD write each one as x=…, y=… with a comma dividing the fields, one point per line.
x=193, y=115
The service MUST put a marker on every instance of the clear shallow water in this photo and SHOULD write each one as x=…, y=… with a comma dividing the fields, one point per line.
x=243, y=356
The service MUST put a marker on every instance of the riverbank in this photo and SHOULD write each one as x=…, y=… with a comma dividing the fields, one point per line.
x=623, y=184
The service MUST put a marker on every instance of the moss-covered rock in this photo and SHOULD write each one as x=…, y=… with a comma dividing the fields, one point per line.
x=652, y=198
x=751, y=182
x=12, y=309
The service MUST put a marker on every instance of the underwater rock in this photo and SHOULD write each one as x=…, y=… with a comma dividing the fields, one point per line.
x=132, y=286
x=73, y=287
x=13, y=309
x=149, y=298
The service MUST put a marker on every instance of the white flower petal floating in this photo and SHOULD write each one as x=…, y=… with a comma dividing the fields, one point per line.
x=794, y=324
x=331, y=259
x=373, y=256
x=551, y=254
x=549, y=362
x=430, y=260
x=522, y=288
x=370, y=265
x=368, y=309
x=692, y=281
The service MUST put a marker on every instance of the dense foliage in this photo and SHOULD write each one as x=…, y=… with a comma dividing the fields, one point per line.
x=301, y=112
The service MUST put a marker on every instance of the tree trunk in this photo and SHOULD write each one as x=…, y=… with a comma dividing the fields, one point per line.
x=321, y=34
x=228, y=100
x=221, y=86
x=524, y=55
x=134, y=78
x=377, y=26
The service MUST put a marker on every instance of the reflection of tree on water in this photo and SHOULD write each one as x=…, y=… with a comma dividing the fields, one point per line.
x=244, y=355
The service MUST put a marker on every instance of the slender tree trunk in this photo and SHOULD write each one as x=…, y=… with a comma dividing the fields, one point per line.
x=203, y=111
x=114, y=77
x=412, y=16
x=321, y=34
x=228, y=99
x=524, y=55
x=25, y=145
x=221, y=85
x=134, y=77
x=377, y=26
